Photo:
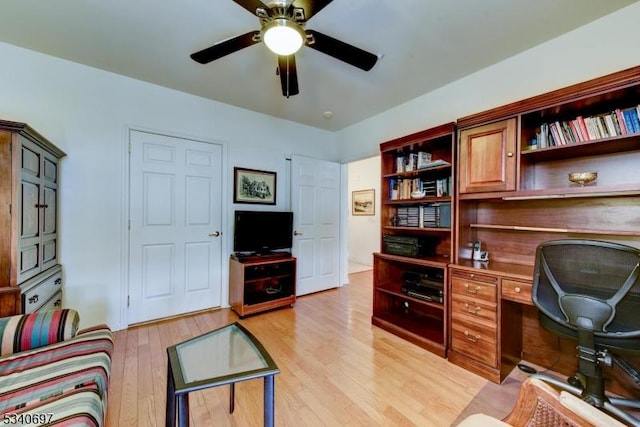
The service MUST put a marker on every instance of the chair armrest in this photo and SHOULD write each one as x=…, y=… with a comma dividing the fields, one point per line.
x=34, y=330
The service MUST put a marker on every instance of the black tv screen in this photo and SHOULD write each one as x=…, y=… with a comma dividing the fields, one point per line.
x=262, y=231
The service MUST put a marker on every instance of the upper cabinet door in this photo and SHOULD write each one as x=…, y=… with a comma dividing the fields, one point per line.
x=487, y=158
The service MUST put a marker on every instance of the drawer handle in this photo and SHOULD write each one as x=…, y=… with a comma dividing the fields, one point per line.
x=58, y=281
x=58, y=303
x=34, y=299
x=472, y=290
x=472, y=338
x=474, y=310
x=517, y=289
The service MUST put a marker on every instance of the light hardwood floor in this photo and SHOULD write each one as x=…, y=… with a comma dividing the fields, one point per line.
x=336, y=369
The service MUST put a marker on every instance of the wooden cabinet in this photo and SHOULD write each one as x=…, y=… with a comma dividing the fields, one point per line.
x=486, y=332
x=28, y=209
x=420, y=317
x=260, y=283
x=42, y=293
x=474, y=317
x=545, y=205
x=538, y=204
x=416, y=227
x=488, y=157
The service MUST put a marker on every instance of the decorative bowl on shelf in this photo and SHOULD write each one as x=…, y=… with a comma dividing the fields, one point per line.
x=417, y=194
x=582, y=178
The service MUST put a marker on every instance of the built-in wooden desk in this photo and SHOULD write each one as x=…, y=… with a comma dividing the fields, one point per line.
x=494, y=326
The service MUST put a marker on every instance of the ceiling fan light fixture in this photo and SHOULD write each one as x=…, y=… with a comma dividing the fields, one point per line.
x=282, y=36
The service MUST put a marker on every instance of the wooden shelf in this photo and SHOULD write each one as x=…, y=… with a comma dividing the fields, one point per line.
x=413, y=329
x=438, y=261
x=416, y=172
x=392, y=291
x=421, y=200
x=418, y=229
x=616, y=144
x=622, y=190
x=555, y=230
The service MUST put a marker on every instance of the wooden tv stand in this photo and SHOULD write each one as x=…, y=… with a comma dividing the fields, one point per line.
x=260, y=283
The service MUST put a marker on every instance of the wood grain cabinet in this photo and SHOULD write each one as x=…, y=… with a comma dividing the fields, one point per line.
x=28, y=210
x=260, y=283
x=544, y=205
x=416, y=215
x=488, y=157
x=514, y=193
x=474, y=328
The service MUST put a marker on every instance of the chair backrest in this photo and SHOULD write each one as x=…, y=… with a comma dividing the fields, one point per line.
x=589, y=284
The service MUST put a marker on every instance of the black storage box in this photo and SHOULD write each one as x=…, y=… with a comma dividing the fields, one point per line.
x=407, y=246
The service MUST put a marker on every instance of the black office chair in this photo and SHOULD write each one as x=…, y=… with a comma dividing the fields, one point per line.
x=589, y=290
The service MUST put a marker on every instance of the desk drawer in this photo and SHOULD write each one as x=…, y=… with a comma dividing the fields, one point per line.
x=477, y=277
x=517, y=291
x=475, y=340
x=42, y=292
x=473, y=289
x=54, y=303
x=474, y=308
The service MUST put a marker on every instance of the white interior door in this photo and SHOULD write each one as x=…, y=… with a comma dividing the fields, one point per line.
x=175, y=221
x=315, y=201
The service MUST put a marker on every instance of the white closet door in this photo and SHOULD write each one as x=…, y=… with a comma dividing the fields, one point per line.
x=315, y=201
x=175, y=221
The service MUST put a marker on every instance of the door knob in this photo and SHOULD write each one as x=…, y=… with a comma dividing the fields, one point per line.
x=297, y=233
x=214, y=234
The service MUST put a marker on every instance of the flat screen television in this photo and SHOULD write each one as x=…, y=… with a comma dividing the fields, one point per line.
x=262, y=232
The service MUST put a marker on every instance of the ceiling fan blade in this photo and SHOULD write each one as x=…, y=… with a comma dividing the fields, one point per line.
x=252, y=5
x=288, y=75
x=342, y=51
x=225, y=47
x=310, y=7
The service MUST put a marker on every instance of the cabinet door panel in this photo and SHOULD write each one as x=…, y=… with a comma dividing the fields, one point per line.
x=30, y=221
x=488, y=157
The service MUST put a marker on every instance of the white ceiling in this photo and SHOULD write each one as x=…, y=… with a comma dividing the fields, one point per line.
x=424, y=44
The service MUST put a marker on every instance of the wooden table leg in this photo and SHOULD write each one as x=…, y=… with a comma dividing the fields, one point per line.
x=232, y=400
x=269, y=392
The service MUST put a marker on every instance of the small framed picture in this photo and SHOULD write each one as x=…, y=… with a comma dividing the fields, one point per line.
x=363, y=202
x=254, y=186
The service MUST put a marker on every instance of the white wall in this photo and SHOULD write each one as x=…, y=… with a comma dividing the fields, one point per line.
x=364, y=231
x=86, y=113
x=604, y=46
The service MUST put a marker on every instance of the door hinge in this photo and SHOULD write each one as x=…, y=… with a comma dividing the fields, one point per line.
x=129, y=224
x=130, y=147
x=128, y=300
x=10, y=209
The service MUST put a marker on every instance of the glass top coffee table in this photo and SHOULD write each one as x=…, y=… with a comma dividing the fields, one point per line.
x=224, y=356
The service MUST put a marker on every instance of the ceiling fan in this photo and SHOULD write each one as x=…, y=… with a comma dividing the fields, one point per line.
x=282, y=30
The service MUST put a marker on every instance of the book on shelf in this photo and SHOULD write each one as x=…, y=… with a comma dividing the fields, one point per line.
x=611, y=129
x=618, y=122
x=435, y=215
x=583, y=128
x=435, y=163
x=423, y=159
x=575, y=129
x=425, y=215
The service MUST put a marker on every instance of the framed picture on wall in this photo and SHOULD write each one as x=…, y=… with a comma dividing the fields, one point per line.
x=363, y=202
x=254, y=186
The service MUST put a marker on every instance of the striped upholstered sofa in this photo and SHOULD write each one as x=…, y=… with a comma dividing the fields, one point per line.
x=51, y=373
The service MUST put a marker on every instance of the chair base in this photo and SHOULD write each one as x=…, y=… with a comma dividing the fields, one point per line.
x=610, y=404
